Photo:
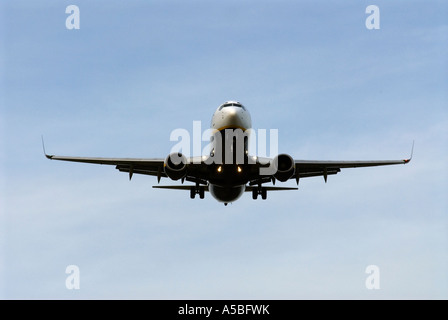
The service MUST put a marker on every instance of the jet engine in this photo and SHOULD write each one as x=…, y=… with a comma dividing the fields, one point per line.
x=285, y=167
x=176, y=166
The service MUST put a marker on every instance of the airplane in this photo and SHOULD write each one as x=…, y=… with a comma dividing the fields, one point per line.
x=229, y=170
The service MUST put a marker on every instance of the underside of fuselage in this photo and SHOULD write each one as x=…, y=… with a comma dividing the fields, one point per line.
x=229, y=173
x=226, y=194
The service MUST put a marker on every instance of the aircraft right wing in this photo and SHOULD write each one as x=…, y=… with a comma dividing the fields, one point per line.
x=153, y=167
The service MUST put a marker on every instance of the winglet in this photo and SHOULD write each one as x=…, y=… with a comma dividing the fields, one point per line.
x=43, y=147
x=412, y=153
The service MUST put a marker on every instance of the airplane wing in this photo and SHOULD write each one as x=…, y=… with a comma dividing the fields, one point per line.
x=313, y=168
x=153, y=167
x=307, y=168
x=197, y=170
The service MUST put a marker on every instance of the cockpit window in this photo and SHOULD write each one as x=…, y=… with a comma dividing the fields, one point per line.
x=232, y=104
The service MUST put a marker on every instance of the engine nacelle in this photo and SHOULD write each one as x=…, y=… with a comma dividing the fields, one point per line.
x=285, y=167
x=176, y=166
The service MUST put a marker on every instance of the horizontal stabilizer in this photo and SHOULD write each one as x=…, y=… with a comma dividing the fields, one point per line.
x=248, y=188
x=182, y=187
x=272, y=188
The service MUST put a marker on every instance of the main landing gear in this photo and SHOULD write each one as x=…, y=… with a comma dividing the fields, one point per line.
x=197, y=190
x=259, y=190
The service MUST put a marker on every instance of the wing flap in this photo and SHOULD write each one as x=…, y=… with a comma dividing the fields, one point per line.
x=138, y=170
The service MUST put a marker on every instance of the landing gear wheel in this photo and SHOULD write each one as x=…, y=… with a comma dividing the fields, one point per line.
x=201, y=192
x=264, y=193
x=192, y=192
x=254, y=193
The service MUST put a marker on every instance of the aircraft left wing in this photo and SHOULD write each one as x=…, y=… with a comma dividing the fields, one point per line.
x=306, y=168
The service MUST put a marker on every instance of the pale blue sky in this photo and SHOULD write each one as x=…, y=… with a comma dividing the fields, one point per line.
x=134, y=72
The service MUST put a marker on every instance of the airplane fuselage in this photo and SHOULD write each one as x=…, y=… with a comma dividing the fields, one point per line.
x=228, y=178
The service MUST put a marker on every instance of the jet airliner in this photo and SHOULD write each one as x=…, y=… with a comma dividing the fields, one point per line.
x=229, y=170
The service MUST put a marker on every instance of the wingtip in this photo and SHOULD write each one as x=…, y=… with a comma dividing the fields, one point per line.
x=412, y=153
x=43, y=148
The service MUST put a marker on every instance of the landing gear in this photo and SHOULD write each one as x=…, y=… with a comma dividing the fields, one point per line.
x=254, y=193
x=264, y=193
x=260, y=190
x=197, y=190
x=201, y=192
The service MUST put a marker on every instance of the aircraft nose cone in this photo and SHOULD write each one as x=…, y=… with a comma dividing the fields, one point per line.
x=236, y=118
x=232, y=113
